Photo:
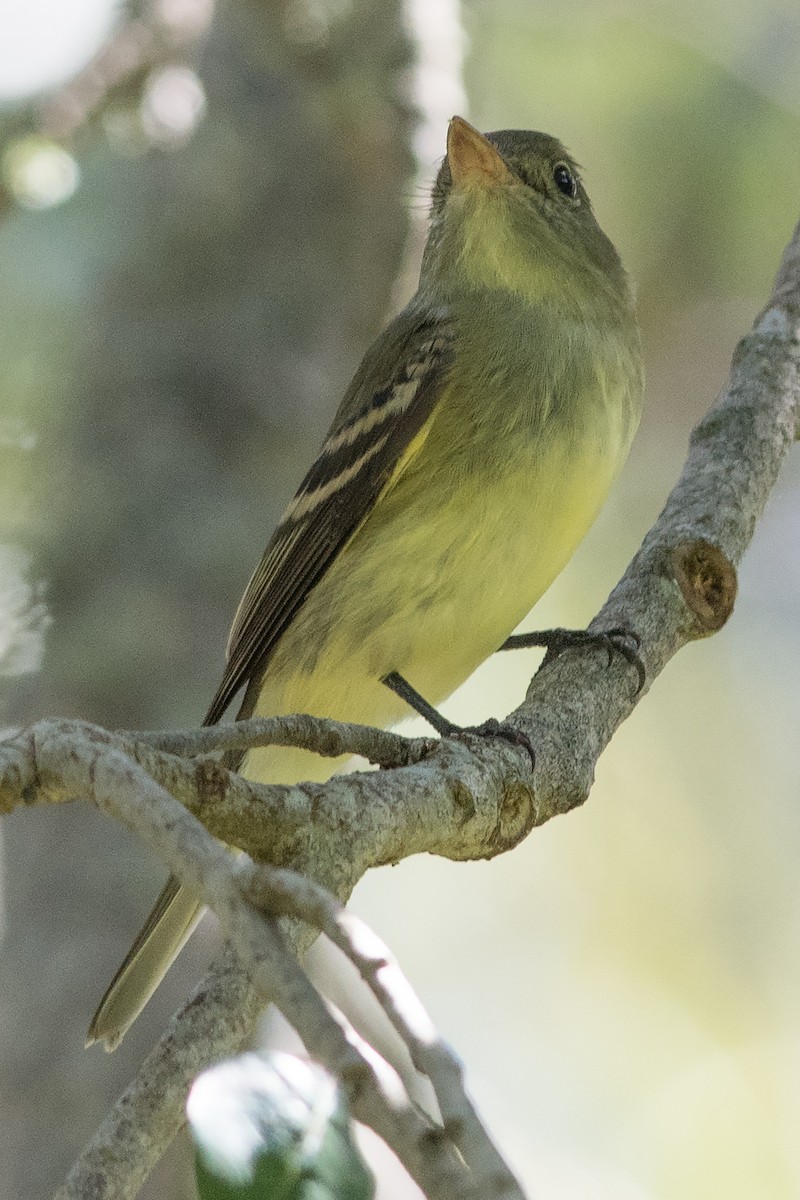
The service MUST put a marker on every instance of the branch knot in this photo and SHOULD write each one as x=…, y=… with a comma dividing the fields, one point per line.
x=707, y=580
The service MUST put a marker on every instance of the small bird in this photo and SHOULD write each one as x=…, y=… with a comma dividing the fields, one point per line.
x=469, y=456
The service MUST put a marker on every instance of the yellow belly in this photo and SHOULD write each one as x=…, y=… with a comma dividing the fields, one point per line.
x=430, y=586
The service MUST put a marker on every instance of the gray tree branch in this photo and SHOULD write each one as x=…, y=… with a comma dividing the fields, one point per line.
x=230, y=884
x=464, y=798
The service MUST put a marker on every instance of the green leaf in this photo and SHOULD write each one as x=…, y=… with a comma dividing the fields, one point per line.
x=274, y=1128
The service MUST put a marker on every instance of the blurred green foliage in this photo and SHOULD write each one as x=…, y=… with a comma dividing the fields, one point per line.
x=274, y=1127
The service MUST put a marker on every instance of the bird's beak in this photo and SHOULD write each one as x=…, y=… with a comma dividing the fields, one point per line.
x=472, y=158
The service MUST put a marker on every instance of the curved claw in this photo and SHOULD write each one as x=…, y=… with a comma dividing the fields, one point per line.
x=491, y=728
x=555, y=641
x=619, y=639
x=494, y=728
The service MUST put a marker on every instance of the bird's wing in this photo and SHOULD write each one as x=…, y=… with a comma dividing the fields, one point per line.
x=384, y=408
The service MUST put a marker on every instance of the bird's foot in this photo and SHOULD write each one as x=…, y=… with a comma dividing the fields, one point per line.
x=491, y=728
x=555, y=641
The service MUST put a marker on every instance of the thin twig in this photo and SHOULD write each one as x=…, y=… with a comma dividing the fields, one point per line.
x=286, y=893
x=320, y=734
x=429, y=1159
x=149, y=1113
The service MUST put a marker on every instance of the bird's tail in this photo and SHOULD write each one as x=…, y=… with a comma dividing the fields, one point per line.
x=160, y=940
x=177, y=911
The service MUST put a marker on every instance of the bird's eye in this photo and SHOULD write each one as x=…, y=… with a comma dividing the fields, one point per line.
x=565, y=180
